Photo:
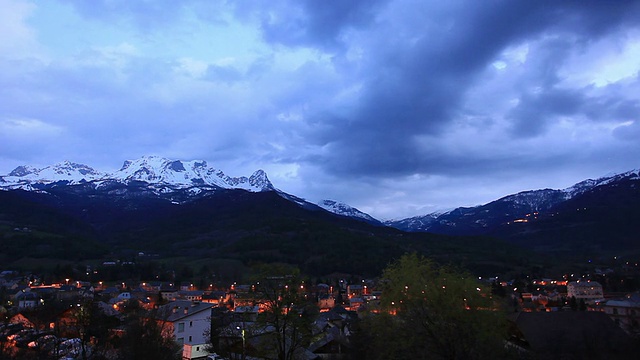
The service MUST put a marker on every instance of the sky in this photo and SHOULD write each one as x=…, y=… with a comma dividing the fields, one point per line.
x=396, y=107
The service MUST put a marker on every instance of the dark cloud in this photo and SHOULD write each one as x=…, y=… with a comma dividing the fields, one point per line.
x=609, y=107
x=535, y=112
x=408, y=101
x=629, y=133
x=415, y=85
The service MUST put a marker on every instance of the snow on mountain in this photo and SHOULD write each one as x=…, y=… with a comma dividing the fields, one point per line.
x=161, y=171
x=345, y=210
x=512, y=206
x=416, y=223
x=164, y=174
x=176, y=180
x=589, y=184
x=25, y=177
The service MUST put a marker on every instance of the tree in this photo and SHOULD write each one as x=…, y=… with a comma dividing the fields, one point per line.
x=582, y=306
x=440, y=312
x=146, y=338
x=286, y=311
x=91, y=325
x=573, y=303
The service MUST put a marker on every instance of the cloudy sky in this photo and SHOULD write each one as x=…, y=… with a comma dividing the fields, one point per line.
x=397, y=107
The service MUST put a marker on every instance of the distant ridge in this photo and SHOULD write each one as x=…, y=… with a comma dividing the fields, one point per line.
x=521, y=207
x=182, y=181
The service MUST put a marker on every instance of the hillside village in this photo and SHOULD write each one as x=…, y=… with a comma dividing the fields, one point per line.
x=50, y=320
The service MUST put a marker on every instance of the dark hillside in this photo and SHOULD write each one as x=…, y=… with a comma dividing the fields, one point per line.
x=604, y=220
x=233, y=224
x=32, y=229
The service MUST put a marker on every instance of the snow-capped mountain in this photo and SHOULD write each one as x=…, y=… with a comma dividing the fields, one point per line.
x=179, y=174
x=520, y=207
x=415, y=223
x=162, y=174
x=589, y=184
x=346, y=210
x=24, y=177
x=155, y=177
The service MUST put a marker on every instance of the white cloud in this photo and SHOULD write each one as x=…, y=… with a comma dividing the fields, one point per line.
x=23, y=128
x=605, y=61
x=18, y=39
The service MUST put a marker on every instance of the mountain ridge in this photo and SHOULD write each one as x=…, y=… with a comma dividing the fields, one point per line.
x=181, y=181
x=154, y=170
x=515, y=207
x=176, y=180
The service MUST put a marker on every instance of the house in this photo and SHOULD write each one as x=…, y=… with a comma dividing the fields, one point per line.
x=247, y=312
x=27, y=299
x=169, y=293
x=187, y=322
x=186, y=286
x=321, y=289
x=333, y=331
x=585, y=290
x=355, y=303
x=109, y=292
x=153, y=286
x=355, y=290
x=68, y=293
x=123, y=296
x=326, y=301
x=330, y=344
x=214, y=297
x=191, y=295
x=624, y=311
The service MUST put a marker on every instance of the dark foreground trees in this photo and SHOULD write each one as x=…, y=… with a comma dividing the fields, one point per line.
x=147, y=336
x=282, y=330
x=288, y=314
x=432, y=312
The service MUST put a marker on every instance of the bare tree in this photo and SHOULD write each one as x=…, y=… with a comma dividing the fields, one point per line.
x=287, y=317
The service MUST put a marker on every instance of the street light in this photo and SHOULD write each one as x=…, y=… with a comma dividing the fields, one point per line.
x=243, y=343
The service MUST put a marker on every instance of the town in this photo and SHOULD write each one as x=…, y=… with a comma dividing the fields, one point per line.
x=79, y=317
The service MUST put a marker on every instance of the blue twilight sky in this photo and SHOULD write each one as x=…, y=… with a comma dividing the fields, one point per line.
x=396, y=107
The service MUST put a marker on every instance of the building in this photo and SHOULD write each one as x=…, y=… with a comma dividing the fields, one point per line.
x=27, y=300
x=585, y=290
x=625, y=312
x=355, y=290
x=187, y=322
x=191, y=295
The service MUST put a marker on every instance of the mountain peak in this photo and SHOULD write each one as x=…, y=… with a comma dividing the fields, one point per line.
x=339, y=208
x=259, y=180
x=22, y=170
x=157, y=171
x=184, y=174
x=64, y=171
